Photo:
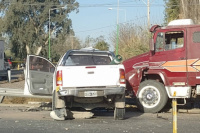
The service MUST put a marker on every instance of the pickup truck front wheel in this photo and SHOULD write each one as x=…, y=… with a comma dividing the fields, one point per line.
x=151, y=96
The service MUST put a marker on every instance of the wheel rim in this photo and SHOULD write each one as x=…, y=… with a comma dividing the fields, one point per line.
x=149, y=96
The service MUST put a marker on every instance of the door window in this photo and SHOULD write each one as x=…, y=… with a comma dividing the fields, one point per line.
x=40, y=64
x=169, y=40
x=174, y=40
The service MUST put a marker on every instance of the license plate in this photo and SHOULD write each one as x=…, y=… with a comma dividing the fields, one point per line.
x=90, y=93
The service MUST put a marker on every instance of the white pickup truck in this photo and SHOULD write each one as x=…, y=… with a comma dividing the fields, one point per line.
x=85, y=78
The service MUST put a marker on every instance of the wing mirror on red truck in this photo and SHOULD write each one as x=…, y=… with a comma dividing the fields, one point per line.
x=151, y=45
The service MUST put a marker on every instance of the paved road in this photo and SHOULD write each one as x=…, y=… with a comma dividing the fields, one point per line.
x=18, y=120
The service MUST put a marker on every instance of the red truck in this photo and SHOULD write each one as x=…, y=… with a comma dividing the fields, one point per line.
x=171, y=69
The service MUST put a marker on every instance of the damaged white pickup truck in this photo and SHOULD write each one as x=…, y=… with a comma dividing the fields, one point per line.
x=86, y=78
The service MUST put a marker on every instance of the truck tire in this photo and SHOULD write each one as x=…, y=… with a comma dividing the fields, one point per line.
x=119, y=113
x=151, y=96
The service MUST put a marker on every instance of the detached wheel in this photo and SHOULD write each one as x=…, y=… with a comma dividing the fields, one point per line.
x=151, y=96
x=119, y=113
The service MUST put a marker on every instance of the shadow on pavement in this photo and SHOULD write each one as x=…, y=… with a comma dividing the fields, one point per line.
x=131, y=110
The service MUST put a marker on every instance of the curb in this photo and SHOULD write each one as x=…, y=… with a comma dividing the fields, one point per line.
x=189, y=111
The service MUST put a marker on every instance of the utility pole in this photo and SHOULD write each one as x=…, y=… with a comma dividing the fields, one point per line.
x=148, y=13
x=51, y=9
x=117, y=43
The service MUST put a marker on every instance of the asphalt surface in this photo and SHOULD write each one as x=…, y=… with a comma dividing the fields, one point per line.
x=17, y=118
x=23, y=119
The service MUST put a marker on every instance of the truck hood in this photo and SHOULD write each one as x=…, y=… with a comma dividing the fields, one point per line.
x=135, y=61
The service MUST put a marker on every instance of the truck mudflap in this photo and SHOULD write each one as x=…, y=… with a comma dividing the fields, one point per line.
x=178, y=92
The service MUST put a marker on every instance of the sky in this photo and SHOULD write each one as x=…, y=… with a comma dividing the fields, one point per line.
x=95, y=19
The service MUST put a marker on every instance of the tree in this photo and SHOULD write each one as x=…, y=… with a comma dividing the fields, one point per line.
x=172, y=10
x=133, y=40
x=190, y=9
x=26, y=23
x=182, y=9
x=88, y=42
x=101, y=44
x=63, y=44
x=98, y=43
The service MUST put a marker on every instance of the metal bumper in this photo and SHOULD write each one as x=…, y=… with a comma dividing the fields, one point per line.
x=178, y=92
x=79, y=92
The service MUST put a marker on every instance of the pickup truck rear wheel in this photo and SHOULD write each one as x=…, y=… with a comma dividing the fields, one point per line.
x=119, y=113
x=151, y=96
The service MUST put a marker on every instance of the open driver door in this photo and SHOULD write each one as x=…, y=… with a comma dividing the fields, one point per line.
x=38, y=76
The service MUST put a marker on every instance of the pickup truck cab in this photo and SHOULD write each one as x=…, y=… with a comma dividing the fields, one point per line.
x=171, y=69
x=86, y=78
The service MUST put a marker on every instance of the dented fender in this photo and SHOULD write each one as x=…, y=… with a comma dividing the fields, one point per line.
x=134, y=78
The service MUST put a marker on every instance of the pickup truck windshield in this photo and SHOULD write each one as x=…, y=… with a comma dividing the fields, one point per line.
x=83, y=60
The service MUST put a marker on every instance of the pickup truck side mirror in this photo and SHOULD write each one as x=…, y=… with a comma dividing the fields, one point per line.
x=116, y=60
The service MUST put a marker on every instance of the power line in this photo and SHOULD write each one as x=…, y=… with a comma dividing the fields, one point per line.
x=110, y=25
x=95, y=5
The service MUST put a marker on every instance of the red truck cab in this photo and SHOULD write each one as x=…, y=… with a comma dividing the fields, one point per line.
x=170, y=69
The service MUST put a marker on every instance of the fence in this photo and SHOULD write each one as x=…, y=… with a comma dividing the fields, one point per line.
x=17, y=64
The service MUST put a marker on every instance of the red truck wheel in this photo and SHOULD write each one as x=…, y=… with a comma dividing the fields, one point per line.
x=151, y=97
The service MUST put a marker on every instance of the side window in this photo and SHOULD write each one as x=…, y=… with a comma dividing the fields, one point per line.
x=174, y=40
x=196, y=37
x=159, y=42
x=40, y=64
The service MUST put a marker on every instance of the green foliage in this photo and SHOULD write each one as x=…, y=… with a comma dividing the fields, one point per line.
x=101, y=44
x=98, y=43
x=133, y=40
x=62, y=43
x=26, y=23
x=172, y=10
